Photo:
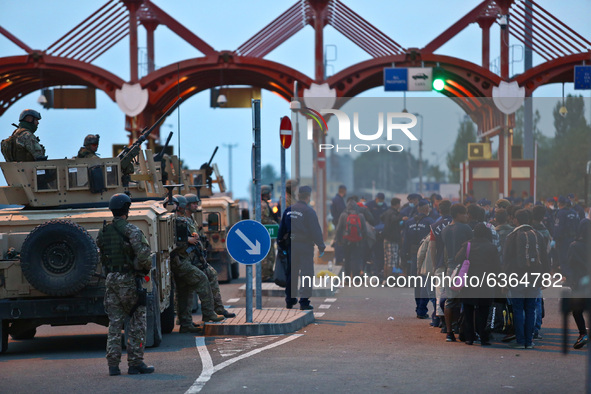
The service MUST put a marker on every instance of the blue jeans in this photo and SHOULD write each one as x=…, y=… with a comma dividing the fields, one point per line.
x=421, y=297
x=538, y=321
x=524, y=311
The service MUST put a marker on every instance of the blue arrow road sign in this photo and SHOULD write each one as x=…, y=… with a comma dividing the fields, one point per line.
x=248, y=242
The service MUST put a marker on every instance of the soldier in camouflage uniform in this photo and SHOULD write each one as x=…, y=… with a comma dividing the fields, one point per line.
x=91, y=143
x=188, y=278
x=200, y=260
x=23, y=145
x=125, y=255
x=267, y=217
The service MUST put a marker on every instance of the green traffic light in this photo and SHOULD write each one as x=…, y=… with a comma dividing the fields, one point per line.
x=438, y=84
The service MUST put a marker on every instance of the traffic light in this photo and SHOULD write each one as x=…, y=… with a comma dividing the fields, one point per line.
x=438, y=79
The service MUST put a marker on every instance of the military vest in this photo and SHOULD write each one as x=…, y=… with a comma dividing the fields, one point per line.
x=116, y=252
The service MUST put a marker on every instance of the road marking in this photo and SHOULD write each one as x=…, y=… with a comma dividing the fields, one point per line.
x=233, y=300
x=228, y=347
x=318, y=314
x=209, y=369
x=330, y=300
x=324, y=306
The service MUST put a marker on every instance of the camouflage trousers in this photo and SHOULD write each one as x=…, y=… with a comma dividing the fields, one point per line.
x=190, y=279
x=268, y=263
x=212, y=276
x=120, y=298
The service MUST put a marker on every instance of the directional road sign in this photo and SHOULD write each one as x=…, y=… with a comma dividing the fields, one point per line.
x=248, y=242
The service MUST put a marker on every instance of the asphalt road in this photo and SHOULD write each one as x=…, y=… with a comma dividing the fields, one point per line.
x=353, y=347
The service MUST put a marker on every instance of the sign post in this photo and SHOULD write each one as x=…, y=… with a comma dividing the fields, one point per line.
x=248, y=242
x=285, y=135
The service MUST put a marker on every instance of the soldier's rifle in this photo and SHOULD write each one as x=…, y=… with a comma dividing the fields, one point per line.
x=129, y=153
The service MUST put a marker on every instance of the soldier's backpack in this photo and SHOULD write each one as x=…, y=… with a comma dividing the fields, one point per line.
x=6, y=146
x=528, y=251
x=353, y=228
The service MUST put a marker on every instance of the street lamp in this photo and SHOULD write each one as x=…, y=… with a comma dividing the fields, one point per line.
x=420, y=154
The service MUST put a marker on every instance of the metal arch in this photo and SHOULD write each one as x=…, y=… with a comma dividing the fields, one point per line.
x=199, y=74
x=368, y=74
x=29, y=73
x=553, y=71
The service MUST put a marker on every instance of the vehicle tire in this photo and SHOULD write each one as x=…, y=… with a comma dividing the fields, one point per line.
x=3, y=335
x=59, y=258
x=235, y=270
x=24, y=334
x=156, y=318
x=167, y=316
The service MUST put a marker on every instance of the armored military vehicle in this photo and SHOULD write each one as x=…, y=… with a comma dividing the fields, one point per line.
x=50, y=271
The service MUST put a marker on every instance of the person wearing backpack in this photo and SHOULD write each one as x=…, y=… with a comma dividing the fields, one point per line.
x=566, y=225
x=415, y=229
x=578, y=258
x=351, y=232
x=484, y=258
x=392, y=237
x=525, y=255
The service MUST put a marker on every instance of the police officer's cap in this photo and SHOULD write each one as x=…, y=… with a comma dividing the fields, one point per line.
x=181, y=200
x=265, y=189
x=423, y=202
x=562, y=200
x=413, y=196
x=91, y=139
x=191, y=198
x=470, y=199
x=550, y=199
x=305, y=190
x=380, y=196
x=119, y=201
x=570, y=196
x=28, y=112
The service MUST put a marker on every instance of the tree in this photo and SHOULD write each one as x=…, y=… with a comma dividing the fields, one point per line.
x=466, y=134
x=563, y=159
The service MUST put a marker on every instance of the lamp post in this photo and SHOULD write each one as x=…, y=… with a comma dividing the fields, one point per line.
x=420, y=154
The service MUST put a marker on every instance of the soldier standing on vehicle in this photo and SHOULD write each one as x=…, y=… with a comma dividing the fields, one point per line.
x=200, y=259
x=91, y=143
x=23, y=145
x=267, y=217
x=125, y=255
x=187, y=277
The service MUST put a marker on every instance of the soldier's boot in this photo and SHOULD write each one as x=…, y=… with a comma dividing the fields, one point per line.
x=114, y=370
x=142, y=368
x=213, y=318
x=224, y=312
x=194, y=329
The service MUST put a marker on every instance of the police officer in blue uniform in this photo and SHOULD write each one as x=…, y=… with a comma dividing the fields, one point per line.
x=415, y=229
x=301, y=222
x=409, y=209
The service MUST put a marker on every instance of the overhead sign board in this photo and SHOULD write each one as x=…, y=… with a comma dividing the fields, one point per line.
x=395, y=79
x=420, y=78
x=408, y=79
x=248, y=242
x=582, y=77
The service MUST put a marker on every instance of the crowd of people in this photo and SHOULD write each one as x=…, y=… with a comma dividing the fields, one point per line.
x=524, y=246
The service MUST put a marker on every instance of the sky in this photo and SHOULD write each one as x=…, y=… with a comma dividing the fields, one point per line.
x=227, y=27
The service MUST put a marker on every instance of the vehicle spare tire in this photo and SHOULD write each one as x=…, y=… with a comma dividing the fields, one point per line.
x=59, y=258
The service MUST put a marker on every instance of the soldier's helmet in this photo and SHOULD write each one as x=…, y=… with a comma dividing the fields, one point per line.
x=191, y=198
x=182, y=201
x=119, y=204
x=91, y=139
x=265, y=189
x=28, y=112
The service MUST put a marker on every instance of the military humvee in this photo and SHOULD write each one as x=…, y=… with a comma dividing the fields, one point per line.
x=50, y=271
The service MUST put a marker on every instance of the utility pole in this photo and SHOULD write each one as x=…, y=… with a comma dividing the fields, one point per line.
x=230, y=146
